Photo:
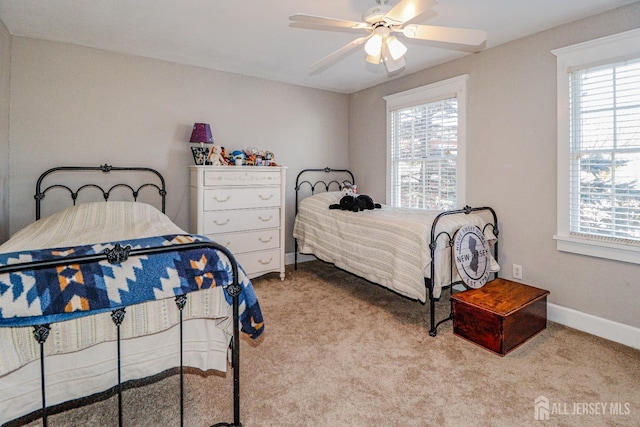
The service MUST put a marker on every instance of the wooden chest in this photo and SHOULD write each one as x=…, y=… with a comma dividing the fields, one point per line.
x=501, y=315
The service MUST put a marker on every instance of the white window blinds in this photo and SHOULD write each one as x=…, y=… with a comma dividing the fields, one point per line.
x=424, y=151
x=604, y=133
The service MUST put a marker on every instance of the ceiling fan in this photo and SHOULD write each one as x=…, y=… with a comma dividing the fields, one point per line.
x=382, y=22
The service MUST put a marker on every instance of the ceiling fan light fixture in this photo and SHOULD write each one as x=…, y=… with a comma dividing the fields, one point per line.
x=392, y=64
x=373, y=46
x=373, y=59
x=380, y=22
x=396, y=48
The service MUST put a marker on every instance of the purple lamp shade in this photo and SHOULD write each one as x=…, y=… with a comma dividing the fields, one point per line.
x=201, y=133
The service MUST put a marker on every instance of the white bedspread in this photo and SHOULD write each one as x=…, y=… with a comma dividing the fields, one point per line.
x=388, y=246
x=93, y=223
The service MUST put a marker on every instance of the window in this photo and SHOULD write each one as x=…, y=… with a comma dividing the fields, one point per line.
x=599, y=148
x=425, y=146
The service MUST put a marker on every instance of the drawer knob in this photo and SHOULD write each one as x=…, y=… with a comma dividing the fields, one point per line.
x=265, y=262
x=267, y=240
x=221, y=200
x=215, y=221
x=269, y=197
x=265, y=219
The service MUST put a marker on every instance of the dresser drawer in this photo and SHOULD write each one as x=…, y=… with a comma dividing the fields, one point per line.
x=241, y=178
x=258, y=262
x=258, y=240
x=228, y=221
x=241, y=198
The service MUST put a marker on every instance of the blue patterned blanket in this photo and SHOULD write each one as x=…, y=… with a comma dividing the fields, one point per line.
x=55, y=294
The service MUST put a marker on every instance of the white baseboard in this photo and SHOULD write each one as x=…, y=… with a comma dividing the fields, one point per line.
x=289, y=258
x=604, y=328
x=608, y=329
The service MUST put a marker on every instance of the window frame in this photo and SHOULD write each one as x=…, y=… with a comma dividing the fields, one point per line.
x=606, y=50
x=455, y=87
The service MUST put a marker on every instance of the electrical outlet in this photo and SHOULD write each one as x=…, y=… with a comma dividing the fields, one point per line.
x=517, y=272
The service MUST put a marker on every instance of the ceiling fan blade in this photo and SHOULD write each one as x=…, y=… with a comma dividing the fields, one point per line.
x=310, y=26
x=332, y=58
x=328, y=22
x=462, y=36
x=406, y=10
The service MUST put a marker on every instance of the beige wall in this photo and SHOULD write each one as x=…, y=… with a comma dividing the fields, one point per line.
x=75, y=105
x=512, y=161
x=5, y=73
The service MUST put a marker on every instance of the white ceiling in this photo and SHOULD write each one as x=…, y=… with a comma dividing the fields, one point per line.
x=253, y=37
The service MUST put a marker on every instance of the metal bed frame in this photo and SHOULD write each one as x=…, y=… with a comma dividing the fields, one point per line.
x=117, y=255
x=433, y=243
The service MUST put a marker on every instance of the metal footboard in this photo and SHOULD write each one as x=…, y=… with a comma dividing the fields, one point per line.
x=448, y=238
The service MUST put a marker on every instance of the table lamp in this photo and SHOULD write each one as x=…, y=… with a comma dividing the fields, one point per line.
x=201, y=133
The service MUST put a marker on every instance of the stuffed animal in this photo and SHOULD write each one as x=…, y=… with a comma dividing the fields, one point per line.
x=351, y=201
x=215, y=156
x=238, y=157
x=367, y=202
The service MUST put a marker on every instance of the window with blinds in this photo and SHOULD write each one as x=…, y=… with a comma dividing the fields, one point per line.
x=598, y=209
x=426, y=141
x=604, y=156
x=424, y=151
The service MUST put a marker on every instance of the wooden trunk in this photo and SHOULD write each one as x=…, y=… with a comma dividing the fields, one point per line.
x=501, y=315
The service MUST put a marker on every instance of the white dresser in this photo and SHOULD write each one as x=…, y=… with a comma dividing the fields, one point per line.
x=242, y=208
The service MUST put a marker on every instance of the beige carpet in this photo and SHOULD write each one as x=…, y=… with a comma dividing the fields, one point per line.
x=339, y=351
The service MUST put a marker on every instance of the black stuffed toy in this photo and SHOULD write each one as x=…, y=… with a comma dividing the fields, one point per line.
x=352, y=202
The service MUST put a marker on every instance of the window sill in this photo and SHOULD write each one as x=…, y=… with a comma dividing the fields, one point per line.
x=599, y=249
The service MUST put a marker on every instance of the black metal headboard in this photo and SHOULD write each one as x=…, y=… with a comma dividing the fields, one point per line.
x=40, y=192
x=326, y=184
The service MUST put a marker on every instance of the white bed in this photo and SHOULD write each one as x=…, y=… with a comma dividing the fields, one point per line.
x=72, y=263
x=409, y=251
x=82, y=352
x=388, y=246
